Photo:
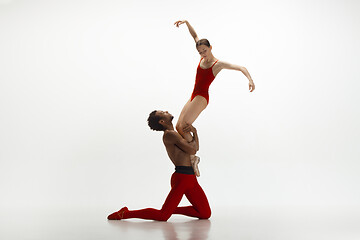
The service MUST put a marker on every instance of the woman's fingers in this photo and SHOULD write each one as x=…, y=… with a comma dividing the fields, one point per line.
x=251, y=86
x=178, y=23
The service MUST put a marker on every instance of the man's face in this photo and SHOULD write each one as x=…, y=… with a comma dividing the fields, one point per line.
x=165, y=115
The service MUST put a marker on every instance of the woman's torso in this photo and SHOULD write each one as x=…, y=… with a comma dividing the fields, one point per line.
x=205, y=75
x=214, y=65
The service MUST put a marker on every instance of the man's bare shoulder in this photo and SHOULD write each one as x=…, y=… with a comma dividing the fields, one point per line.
x=171, y=136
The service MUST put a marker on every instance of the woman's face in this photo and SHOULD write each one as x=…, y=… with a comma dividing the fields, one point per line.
x=204, y=51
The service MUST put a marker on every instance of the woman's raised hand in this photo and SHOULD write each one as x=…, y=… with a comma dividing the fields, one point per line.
x=178, y=23
x=251, y=86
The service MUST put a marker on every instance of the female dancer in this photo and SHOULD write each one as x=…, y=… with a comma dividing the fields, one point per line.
x=207, y=70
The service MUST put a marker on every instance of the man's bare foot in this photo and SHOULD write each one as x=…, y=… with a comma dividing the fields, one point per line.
x=195, y=162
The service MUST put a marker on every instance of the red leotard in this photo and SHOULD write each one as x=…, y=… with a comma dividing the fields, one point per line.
x=204, y=77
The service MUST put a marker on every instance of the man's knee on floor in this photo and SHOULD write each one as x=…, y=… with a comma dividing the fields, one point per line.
x=205, y=214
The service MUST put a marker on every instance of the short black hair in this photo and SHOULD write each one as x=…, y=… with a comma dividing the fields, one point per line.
x=203, y=42
x=153, y=122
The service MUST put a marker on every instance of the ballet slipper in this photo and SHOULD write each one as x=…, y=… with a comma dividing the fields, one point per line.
x=118, y=215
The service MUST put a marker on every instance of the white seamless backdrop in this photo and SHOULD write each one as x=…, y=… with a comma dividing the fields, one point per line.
x=79, y=78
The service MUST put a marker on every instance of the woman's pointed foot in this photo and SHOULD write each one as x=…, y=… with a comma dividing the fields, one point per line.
x=195, y=162
x=118, y=215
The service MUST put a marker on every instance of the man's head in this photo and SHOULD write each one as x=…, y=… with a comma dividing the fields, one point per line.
x=160, y=120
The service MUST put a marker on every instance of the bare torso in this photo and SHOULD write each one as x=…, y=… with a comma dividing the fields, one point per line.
x=177, y=156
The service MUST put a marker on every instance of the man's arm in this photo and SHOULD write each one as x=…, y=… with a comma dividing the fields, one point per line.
x=172, y=137
x=195, y=141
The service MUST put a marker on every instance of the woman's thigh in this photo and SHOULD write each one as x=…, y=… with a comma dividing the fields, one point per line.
x=183, y=111
x=192, y=110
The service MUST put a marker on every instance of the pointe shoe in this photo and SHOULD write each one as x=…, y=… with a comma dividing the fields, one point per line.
x=118, y=215
x=195, y=162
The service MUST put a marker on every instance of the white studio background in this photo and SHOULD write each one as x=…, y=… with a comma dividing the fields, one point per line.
x=79, y=78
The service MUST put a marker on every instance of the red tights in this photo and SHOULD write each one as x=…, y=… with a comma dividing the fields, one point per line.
x=180, y=184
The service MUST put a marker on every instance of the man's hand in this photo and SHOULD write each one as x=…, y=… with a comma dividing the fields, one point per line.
x=189, y=128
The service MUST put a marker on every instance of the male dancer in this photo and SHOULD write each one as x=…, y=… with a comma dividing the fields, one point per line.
x=183, y=180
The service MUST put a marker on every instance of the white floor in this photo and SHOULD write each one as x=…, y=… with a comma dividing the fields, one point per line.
x=263, y=223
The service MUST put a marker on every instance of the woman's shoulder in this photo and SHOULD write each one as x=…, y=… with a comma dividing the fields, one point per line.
x=218, y=63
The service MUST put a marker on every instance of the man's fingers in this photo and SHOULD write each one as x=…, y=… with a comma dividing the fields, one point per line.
x=186, y=129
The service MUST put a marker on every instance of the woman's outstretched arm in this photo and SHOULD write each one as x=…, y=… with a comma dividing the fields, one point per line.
x=191, y=29
x=225, y=65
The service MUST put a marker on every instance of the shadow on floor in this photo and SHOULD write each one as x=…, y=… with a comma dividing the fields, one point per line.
x=194, y=229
